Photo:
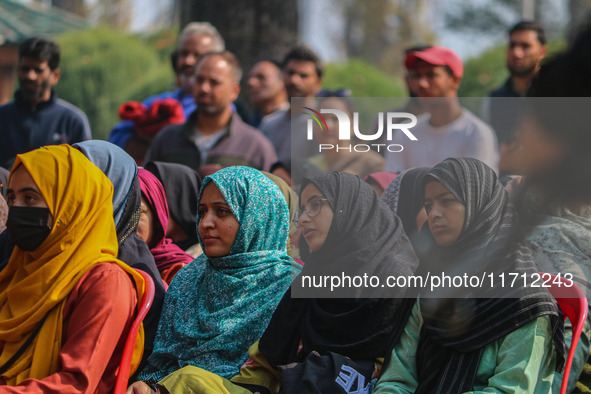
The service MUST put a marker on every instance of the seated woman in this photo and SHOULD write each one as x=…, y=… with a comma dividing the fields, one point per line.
x=292, y=202
x=66, y=302
x=555, y=195
x=220, y=304
x=152, y=227
x=486, y=343
x=405, y=196
x=181, y=185
x=121, y=170
x=346, y=227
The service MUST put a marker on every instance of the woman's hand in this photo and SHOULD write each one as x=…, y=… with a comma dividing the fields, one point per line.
x=140, y=388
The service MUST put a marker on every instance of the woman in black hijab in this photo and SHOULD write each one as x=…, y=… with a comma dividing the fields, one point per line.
x=509, y=338
x=181, y=185
x=346, y=229
x=405, y=197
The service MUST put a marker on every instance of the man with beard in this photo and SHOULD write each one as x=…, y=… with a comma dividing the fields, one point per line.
x=527, y=47
x=37, y=117
x=214, y=134
x=196, y=39
x=302, y=76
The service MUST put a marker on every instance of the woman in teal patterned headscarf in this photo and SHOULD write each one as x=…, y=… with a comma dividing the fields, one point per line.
x=216, y=307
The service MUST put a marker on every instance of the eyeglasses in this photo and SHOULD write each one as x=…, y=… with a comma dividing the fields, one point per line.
x=312, y=210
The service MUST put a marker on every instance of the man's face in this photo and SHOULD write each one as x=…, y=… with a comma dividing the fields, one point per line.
x=36, y=79
x=301, y=79
x=432, y=81
x=524, y=53
x=190, y=50
x=264, y=82
x=215, y=86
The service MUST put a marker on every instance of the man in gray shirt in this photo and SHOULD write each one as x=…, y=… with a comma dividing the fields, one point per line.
x=448, y=129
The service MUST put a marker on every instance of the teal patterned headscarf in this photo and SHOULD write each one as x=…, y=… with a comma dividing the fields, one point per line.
x=217, y=307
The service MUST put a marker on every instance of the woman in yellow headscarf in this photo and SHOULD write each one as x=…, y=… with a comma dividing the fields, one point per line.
x=66, y=302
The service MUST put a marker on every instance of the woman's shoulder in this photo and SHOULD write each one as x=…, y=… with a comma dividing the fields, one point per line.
x=104, y=277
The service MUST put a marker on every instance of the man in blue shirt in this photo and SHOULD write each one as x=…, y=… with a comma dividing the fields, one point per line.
x=37, y=117
x=196, y=39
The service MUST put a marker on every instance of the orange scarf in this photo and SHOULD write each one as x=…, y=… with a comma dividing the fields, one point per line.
x=37, y=284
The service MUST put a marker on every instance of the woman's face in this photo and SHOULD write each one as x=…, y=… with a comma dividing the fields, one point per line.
x=23, y=191
x=314, y=229
x=217, y=224
x=145, y=227
x=445, y=213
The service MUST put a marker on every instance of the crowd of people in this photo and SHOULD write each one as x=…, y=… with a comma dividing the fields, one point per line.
x=227, y=213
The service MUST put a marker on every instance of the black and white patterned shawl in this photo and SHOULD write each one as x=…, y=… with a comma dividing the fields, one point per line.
x=458, y=325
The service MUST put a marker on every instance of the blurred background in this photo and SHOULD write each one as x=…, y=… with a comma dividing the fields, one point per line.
x=119, y=50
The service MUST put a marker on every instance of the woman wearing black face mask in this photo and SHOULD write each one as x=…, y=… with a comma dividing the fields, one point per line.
x=66, y=302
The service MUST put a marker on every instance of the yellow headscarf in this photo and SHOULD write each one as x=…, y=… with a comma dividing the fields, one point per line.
x=292, y=203
x=38, y=283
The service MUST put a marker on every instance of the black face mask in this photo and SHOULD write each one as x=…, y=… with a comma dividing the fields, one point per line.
x=28, y=226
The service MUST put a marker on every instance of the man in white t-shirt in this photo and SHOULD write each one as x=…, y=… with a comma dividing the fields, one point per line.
x=447, y=129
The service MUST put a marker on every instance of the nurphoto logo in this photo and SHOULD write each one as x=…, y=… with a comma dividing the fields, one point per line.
x=395, y=121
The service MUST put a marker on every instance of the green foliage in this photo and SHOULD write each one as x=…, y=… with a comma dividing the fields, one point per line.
x=489, y=71
x=102, y=68
x=363, y=79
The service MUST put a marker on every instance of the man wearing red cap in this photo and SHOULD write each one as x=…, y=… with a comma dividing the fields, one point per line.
x=447, y=129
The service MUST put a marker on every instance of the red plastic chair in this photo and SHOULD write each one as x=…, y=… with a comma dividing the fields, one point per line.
x=126, y=358
x=574, y=305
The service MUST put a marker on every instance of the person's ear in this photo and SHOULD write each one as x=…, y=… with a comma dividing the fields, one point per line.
x=236, y=90
x=456, y=82
x=54, y=77
x=543, y=53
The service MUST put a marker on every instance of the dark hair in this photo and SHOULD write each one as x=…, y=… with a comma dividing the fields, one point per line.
x=417, y=48
x=531, y=26
x=345, y=100
x=304, y=53
x=334, y=93
x=42, y=49
x=274, y=62
x=228, y=57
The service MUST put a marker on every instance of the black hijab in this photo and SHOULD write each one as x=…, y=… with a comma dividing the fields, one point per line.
x=365, y=237
x=456, y=330
x=181, y=185
x=405, y=196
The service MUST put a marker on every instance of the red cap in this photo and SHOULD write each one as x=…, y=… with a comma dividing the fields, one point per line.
x=437, y=56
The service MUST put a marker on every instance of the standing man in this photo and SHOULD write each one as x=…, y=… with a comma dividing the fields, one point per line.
x=37, y=117
x=266, y=91
x=302, y=76
x=196, y=39
x=447, y=129
x=214, y=134
x=527, y=48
